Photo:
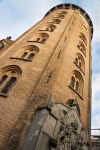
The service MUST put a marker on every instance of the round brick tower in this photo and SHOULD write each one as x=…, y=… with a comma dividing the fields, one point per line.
x=50, y=63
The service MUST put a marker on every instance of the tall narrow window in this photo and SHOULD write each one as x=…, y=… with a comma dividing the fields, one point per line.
x=84, y=27
x=4, y=77
x=60, y=16
x=79, y=61
x=27, y=53
x=42, y=38
x=83, y=37
x=30, y=52
x=50, y=28
x=31, y=55
x=39, y=39
x=72, y=83
x=10, y=75
x=76, y=60
x=9, y=84
x=77, y=82
x=81, y=46
x=56, y=21
x=80, y=64
x=64, y=12
x=77, y=86
x=24, y=55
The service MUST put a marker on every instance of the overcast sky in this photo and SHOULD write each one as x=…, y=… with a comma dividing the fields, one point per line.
x=19, y=15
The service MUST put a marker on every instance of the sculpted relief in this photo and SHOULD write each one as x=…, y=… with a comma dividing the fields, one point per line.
x=60, y=129
x=69, y=132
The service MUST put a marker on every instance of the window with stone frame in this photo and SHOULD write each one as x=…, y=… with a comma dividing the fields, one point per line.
x=72, y=83
x=79, y=61
x=56, y=21
x=41, y=38
x=83, y=37
x=82, y=47
x=60, y=16
x=27, y=53
x=83, y=26
x=50, y=27
x=76, y=82
x=8, y=77
x=8, y=85
x=63, y=12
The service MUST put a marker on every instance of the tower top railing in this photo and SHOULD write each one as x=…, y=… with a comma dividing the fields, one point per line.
x=75, y=7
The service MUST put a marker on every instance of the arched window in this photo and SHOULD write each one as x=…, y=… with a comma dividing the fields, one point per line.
x=81, y=46
x=83, y=37
x=76, y=61
x=77, y=86
x=63, y=12
x=60, y=16
x=72, y=83
x=56, y=21
x=24, y=55
x=79, y=61
x=76, y=82
x=27, y=53
x=3, y=78
x=42, y=38
x=83, y=26
x=9, y=76
x=8, y=85
x=50, y=28
x=30, y=56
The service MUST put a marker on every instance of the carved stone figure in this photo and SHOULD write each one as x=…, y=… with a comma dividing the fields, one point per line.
x=60, y=129
x=71, y=135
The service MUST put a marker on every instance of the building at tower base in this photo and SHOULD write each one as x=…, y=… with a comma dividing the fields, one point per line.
x=45, y=84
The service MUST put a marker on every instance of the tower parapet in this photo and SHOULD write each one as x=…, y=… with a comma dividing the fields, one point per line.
x=75, y=7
